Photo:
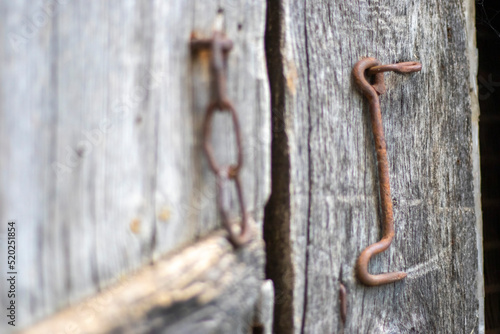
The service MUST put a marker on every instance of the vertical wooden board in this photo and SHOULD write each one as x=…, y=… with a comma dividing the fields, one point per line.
x=101, y=136
x=191, y=211
x=27, y=190
x=333, y=187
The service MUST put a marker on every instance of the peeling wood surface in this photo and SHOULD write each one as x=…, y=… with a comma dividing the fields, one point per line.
x=326, y=204
x=101, y=106
x=184, y=293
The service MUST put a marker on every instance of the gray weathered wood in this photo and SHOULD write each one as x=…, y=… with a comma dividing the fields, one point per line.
x=184, y=293
x=324, y=204
x=101, y=105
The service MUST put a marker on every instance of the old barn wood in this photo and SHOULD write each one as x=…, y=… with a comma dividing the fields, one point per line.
x=102, y=161
x=217, y=293
x=102, y=167
x=325, y=209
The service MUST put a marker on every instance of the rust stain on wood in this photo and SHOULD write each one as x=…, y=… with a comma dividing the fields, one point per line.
x=135, y=226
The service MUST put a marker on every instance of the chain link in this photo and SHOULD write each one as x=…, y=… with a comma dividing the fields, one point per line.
x=220, y=46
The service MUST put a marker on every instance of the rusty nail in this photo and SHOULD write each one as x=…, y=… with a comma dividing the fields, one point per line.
x=342, y=299
x=343, y=302
x=372, y=66
x=406, y=67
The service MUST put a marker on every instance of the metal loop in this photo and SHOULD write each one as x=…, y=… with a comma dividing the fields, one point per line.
x=244, y=235
x=378, y=85
x=223, y=105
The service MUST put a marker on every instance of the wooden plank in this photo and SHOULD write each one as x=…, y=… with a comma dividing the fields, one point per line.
x=101, y=109
x=326, y=206
x=179, y=294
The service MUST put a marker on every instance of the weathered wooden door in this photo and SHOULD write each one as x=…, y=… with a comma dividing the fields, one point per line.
x=325, y=210
x=114, y=204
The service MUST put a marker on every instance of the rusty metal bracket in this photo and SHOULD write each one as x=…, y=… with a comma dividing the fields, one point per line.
x=372, y=67
x=220, y=47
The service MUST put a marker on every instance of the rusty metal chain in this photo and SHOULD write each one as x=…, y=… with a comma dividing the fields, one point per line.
x=371, y=66
x=220, y=46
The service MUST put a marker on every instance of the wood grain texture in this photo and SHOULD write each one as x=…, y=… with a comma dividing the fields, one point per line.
x=331, y=208
x=184, y=293
x=101, y=107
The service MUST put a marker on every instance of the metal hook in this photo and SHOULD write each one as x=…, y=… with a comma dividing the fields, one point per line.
x=372, y=66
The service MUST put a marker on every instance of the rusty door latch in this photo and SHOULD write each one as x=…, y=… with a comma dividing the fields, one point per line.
x=220, y=47
x=362, y=69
